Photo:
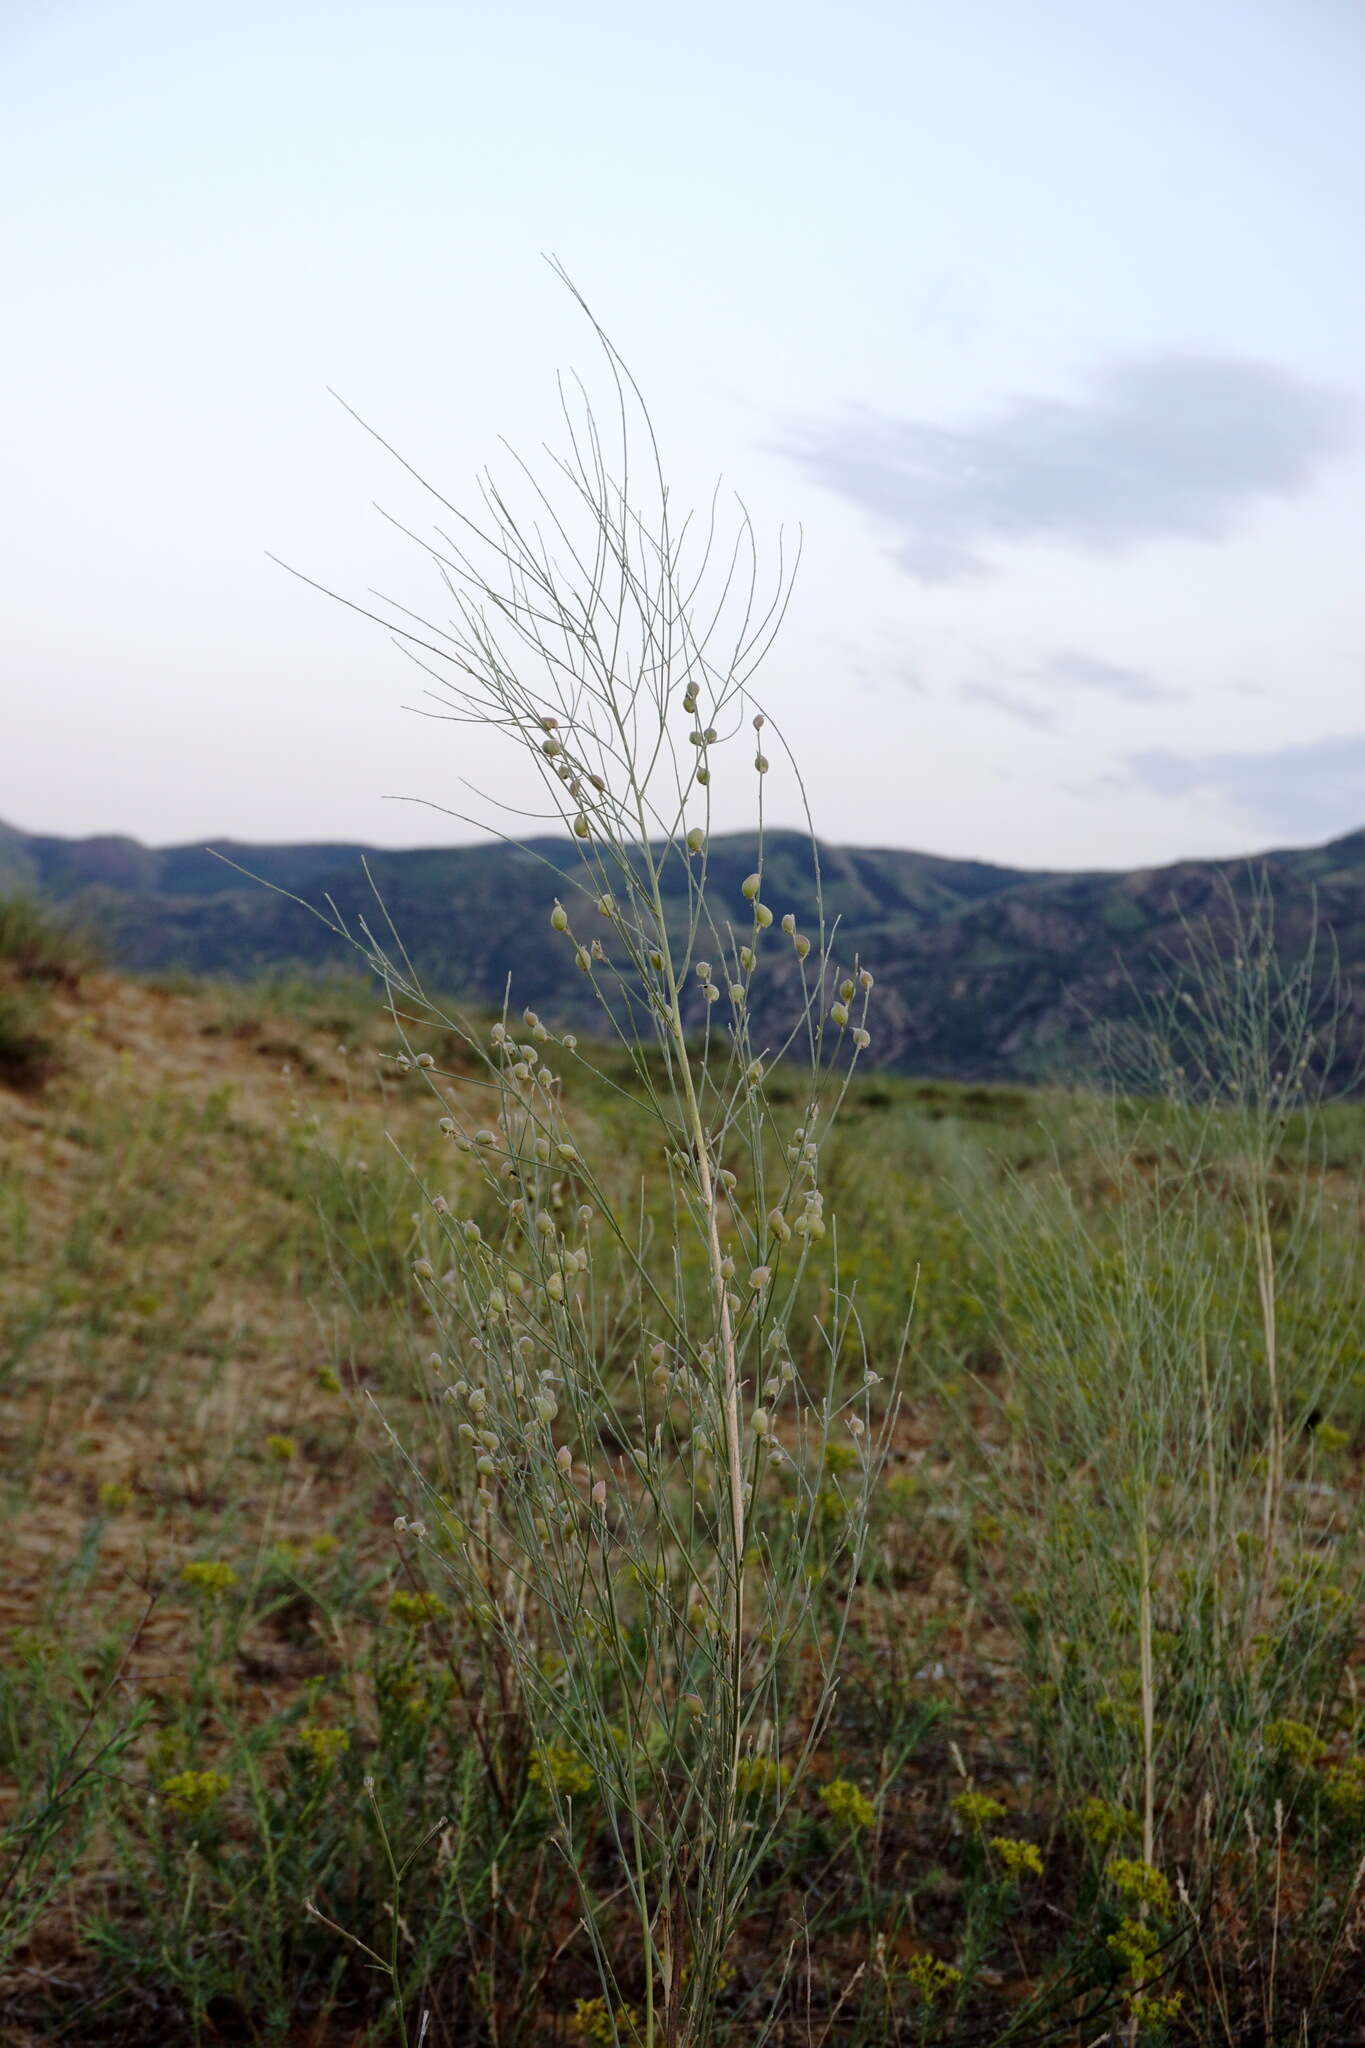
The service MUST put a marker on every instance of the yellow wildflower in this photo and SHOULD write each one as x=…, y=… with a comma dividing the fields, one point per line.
x=208, y=1575
x=563, y=1768
x=931, y=1978
x=1139, y=1884
x=848, y=1804
x=416, y=1608
x=761, y=1774
x=325, y=1746
x=1018, y=1856
x=1294, y=1740
x=1103, y=1823
x=283, y=1449
x=977, y=1808
x=193, y=1792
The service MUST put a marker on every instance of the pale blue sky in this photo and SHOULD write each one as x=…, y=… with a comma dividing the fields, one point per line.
x=1044, y=318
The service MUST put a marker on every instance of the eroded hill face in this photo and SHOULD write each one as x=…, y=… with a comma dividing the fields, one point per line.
x=985, y=972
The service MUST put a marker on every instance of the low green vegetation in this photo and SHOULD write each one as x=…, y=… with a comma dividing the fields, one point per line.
x=228, y=1683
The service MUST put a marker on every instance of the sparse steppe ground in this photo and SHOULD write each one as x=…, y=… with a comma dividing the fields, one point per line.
x=208, y=1316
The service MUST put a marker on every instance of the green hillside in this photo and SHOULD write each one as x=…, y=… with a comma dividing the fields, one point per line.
x=985, y=973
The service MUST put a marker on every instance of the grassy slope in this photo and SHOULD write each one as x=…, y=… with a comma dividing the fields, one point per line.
x=170, y=1190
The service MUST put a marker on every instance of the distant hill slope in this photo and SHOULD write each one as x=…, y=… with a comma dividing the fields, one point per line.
x=984, y=973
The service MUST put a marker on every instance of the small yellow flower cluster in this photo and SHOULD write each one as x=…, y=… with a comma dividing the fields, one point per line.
x=416, y=1608
x=1139, y=1884
x=325, y=1746
x=1132, y=1945
x=931, y=1978
x=282, y=1449
x=760, y=1774
x=562, y=1767
x=594, y=2021
x=1344, y=1789
x=847, y=1803
x=193, y=1792
x=1158, y=2007
x=1018, y=1856
x=1103, y=1823
x=114, y=1496
x=208, y=1575
x=1294, y=1740
x=1331, y=1440
x=977, y=1808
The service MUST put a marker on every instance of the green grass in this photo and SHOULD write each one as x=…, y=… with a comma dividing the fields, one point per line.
x=173, y=1232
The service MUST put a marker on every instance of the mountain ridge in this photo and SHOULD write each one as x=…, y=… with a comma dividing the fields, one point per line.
x=985, y=972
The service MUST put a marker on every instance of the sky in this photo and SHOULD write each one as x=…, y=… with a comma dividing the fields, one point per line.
x=1042, y=321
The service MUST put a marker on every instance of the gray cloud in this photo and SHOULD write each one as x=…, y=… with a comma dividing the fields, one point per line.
x=1024, y=709
x=1165, y=446
x=1313, y=790
x=1071, y=670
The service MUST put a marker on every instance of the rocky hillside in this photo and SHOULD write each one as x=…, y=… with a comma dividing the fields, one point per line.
x=984, y=972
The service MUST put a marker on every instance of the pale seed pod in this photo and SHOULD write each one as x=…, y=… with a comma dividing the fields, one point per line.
x=747, y=959
x=554, y=1287
x=545, y=1224
x=696, y=839
x=702, y=970
x=606, y=905
x=759, y=721
x=779, y=1226
x=789, y=924
x=546, y=1407
x=763, y=917
x=402, y=1062
x=424, y=1270
x=865, y=980
x=598, y=784
x=801, y=945
x=446, y=1126
x=760, y=1277
x=656, y=960
x=569, y=1042
x=485, y=1137
x=599, y=1494
x=485, y=1467
x=424, y=1059
x=838, y=1014
x=736, y=994
x=559, y=918
x=754, y=1073
x=550, y=748
x=582, y=960
x=440, y=1205
x=727, y=1180
x=581, y=828
x=703, y=776
x=710, y=736
x=564, y=1458
x=711, y=992
x=862, y=1039
x=750, y=887
x=727, y=1268
x=762, y=1423
x=846, y=991
x=761, y=763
